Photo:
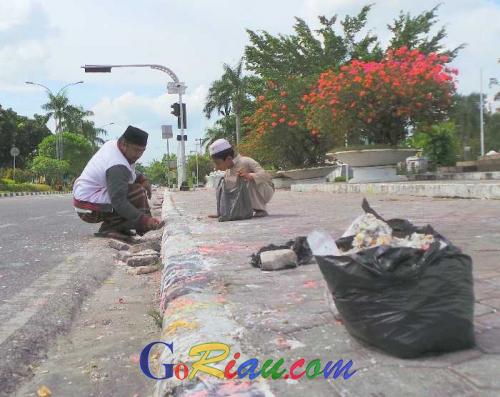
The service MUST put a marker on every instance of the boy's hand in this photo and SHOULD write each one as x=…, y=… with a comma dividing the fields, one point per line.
x=147, y=185
x=245, y=175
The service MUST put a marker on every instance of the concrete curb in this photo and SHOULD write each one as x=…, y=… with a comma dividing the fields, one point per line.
x=448, y=190
x=15, y=194
x=194, y=310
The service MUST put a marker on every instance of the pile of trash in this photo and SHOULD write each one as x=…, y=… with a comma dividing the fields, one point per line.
x=404, y=289
x=369, y=232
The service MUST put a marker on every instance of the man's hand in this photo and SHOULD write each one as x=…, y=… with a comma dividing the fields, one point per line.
x=154, y=223
x=147, y=185
x=245, y=175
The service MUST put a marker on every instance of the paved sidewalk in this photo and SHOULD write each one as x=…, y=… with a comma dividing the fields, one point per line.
x=284, y=314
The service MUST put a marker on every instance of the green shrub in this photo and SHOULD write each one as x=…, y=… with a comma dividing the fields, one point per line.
x=20, y=176
x=24, y=176
x=439, y=142
x=41, y=187
x=6, y=173
x=24, y=187
x=340, y=179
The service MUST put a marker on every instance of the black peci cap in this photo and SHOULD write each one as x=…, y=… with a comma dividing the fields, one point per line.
x=136, y=136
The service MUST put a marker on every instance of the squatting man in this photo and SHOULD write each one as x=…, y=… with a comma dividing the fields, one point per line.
x=110, y=191
x=260, y=186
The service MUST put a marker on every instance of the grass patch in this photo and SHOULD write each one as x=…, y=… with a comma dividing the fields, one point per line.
x=157, y=317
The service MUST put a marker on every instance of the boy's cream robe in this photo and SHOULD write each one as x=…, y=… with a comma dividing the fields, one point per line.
x=261, y=188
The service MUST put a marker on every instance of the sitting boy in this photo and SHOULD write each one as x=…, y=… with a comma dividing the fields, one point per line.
x=259, y=183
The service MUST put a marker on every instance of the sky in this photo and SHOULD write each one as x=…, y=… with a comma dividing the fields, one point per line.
x=48, y=41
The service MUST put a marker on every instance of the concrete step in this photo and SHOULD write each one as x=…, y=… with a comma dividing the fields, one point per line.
x=457, y=176
x=450, y=189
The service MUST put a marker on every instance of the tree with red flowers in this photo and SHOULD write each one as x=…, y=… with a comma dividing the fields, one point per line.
x=293, y=125
x=377, y=102
x=279, y=125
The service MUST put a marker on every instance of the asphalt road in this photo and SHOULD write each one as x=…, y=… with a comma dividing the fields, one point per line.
x=36, y=233
x=49, y=262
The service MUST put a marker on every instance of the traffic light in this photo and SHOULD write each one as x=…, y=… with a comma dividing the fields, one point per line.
x=176, y=109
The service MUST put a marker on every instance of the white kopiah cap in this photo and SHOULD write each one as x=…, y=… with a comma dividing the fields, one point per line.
x=219, y=146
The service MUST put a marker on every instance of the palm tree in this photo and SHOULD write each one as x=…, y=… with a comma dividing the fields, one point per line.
x=229, y=94
x=93, y=134
x=76, y=122
x=57, y=108
x=223, y=128
x=72, y=118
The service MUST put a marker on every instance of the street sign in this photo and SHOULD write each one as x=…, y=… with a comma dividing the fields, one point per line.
x=174, y=88
x=14, y=151
x=166, y=132
x=172, y=164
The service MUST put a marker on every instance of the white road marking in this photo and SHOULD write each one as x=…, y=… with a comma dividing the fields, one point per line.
x=35, y=218
x=24, y=305
x=6, y=225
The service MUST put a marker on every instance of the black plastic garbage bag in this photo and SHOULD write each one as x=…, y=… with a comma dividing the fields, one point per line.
x=404, y=301
x=233, y=204
x=299, y=245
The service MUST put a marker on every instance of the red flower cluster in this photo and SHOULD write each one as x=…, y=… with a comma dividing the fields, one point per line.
x=274, y=112
x=406, y=85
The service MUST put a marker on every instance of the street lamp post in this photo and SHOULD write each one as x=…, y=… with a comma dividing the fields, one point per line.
x=492, y=82
x=196, y=157
x=168, y=164
x=481, y=114
x=59, y=139
x=178, y=88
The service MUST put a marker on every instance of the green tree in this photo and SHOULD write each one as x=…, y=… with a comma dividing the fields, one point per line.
x=465, y=115
x=23, y=132
x=72, y=118
x=77, y=123
x=306, y=53
x=77, y=152
x=492, y=132
x=414, y=33
x=205, y=166
x=157, y=170
x=140, y=167
x=230, y=94
x=222, y=128
x=57, y=108
x=52, y=170
x=291, y=64
x=440, y=143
